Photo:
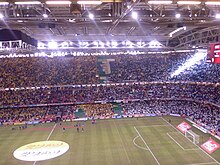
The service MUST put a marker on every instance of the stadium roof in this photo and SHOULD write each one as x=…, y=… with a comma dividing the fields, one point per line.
x=112, y=20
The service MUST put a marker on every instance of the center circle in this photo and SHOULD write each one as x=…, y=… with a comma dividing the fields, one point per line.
x=42, y=150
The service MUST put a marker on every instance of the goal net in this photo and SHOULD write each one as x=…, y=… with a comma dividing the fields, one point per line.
x=192, y=136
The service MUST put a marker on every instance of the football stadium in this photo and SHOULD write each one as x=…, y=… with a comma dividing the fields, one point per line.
x=110, y=82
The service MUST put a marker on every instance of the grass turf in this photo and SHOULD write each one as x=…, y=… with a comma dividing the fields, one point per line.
x=148, y=141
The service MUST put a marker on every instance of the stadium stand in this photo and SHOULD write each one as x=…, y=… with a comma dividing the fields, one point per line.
x=56, y=88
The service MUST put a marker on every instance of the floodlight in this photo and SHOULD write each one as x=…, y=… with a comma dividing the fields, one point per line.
x=154, y=44
x=134, y=15
x=188, y=2
x=28, y=3
x=91, y=16
x=95, y=43
x=108, y=43
x=4, y=3
x=52, y=45
x=212, y=3
x=89, y=2
x=45, y=15
x=58, y=2
x=40, y=45
x=178, y=15
x=64, y=44
x=217, y=16
x=160, y=2
x=101, y=44
x=114, y=43
x=1, y=16
x=175, y=31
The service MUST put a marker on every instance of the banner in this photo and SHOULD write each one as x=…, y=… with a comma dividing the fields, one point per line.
x=183, y=127
x=210, y=146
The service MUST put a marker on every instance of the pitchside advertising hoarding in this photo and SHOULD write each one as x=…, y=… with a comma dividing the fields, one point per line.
x=210, y=146
x=183, y=127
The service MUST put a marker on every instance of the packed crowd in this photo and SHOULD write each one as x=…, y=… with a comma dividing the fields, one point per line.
x=54, y=113
x=40, y=114
x=110, y=93
x=205, y=115
x=64, y=72
x=33, y=71
x=98, y=110
x=28, y=72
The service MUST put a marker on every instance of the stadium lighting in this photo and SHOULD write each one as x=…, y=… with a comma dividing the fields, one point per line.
x=28, y=3
x=217, y=16
x=101, y=44
x=40, y=45
x=64, y=44
x=160, y=2
x=95, y=43
x=191, y=62
x=45, y=15
x=91, y=16
x=58, y=2
x=212, y=3
x=108, y=43
x=89, y=2
x=134, y=15
x=4, y=3
x=129, y=43
x=188, y=2
x=52, y=45
x=175, y=31
x=178, y=15
x=1, y=16
x=154, y=44
x=114, y=44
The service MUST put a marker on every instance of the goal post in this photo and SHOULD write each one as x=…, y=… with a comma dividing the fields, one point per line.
x=192, y=136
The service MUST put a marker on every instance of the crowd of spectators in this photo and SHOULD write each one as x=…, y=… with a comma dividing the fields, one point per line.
x=101, y=111
x=39, y=71
x=41, y=114
x=205, y=115
x=20, y=115
x=33, y=71
x=109, y=93
x=54, y=79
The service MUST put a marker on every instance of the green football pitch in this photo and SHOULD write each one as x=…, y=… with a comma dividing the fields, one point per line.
x=143, y=141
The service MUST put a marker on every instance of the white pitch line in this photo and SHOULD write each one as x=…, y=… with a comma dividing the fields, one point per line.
x=153, y=125
x=48, y=137
x=201, y=163
x=51, y=132
x=147, y=146
x=190, y=141
x=180, y=145
x=138, y=145
x=122, y=144
x=175, y=141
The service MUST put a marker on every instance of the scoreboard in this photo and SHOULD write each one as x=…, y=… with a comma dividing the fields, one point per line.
x=214, y=55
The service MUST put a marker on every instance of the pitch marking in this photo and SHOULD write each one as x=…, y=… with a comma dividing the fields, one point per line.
x=201, y=163
x=147, y=146
x=138, y=145
x=180, y=145
x=48, y=137
x=122, y=144
x=190, y=141
x=153, y=126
